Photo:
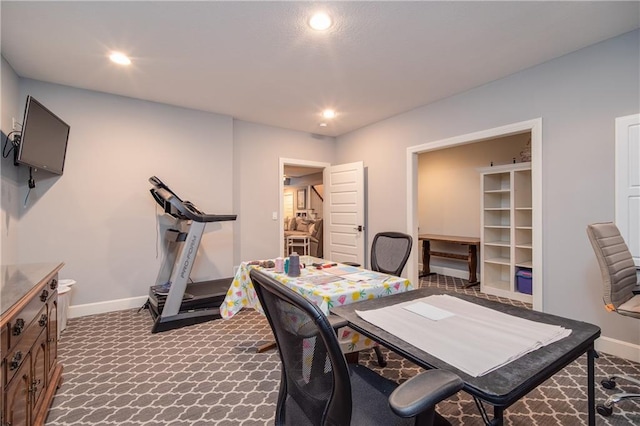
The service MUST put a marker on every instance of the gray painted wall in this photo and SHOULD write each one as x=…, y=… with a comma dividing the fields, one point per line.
x=9, y=186
x=257, y=152
x=98, y=217
x=578, y=97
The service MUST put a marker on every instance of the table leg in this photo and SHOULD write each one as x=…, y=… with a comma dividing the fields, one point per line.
x=591, y=389
x=426, y=258
x=352, y=357
x=498, y=416
x=473, y=264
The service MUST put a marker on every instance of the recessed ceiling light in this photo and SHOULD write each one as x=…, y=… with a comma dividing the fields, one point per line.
x=328, y=113
x=120, y=58
x=320, y=21
x=323, y=124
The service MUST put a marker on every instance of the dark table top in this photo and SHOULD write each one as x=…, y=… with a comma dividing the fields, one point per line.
x=501, y=387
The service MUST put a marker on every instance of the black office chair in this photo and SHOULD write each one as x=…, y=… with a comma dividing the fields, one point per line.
x=620, y=283
x=390, y=252
x=318, y=387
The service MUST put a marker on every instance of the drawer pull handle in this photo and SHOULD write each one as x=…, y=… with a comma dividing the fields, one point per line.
x=44, y=296
x=15, y=362
x=34, y=385
x=18, y=327
x=43, y=320
x=53, y=284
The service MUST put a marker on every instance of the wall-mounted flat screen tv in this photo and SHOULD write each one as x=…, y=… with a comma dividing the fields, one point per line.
x=43, y=143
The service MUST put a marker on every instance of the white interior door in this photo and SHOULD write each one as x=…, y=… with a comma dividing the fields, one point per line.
x=628, y=182
x=344, y=213
x=288, y=204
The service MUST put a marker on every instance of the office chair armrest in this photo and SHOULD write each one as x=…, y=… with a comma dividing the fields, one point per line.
x=636, y=289
x=423, y=392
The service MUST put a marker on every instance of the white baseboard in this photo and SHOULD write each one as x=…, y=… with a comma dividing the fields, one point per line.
x=618, y=348
x=103, y=307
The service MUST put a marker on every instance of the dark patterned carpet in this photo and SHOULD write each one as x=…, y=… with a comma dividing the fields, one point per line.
x=117, y=373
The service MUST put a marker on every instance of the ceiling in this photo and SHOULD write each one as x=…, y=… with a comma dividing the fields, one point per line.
x=260, y=62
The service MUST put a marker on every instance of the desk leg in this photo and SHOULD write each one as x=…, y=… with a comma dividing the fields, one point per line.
x=473, y=264
x=426, y=258
x=591, y=387
x=498, y=414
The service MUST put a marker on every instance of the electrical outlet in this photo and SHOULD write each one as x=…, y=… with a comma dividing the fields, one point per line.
x=15, y=126
x=274, y=215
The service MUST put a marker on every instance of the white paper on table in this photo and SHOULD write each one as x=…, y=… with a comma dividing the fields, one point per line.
x=428, y=311
x=475, y=340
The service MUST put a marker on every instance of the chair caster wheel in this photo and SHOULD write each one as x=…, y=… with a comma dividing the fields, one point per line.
x=608, y=384
x=604, y=411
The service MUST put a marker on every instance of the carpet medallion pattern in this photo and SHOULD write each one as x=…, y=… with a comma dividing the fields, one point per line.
x=117, y=373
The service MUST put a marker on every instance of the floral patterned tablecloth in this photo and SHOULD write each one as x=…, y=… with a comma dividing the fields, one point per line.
x=325, y=287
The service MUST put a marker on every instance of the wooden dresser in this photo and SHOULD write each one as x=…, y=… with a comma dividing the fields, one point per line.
x=29, y=370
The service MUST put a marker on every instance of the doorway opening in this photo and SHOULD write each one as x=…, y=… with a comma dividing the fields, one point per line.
x=301, y=203
x=534, y=128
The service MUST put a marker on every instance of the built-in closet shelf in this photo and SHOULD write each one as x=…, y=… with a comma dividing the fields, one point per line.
x=499, y=260
x=498, y=243
x=506, y=229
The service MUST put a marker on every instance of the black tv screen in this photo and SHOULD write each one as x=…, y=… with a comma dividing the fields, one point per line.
x=43, y=143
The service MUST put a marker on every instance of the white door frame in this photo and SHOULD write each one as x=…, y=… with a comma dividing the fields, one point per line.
x=535, y=127
x=626, y=162
x=291, y=162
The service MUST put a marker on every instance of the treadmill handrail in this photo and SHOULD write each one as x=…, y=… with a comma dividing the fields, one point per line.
x=174, y=206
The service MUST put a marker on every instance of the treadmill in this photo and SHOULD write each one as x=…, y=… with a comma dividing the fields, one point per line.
x=174, y=302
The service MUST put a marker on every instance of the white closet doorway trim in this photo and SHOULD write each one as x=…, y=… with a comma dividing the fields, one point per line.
x=628, y=182
x=535, y=127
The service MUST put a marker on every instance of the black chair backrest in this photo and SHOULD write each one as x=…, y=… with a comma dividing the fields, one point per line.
x=390, y=252
x=315, y=379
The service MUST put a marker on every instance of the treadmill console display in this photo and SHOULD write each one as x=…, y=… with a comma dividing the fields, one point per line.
x=176, y=207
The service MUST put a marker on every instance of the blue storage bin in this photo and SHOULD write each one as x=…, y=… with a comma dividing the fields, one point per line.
x=524, y=281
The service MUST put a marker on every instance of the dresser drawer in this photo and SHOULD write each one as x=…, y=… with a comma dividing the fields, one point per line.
x=17, y=354
x=18, y=324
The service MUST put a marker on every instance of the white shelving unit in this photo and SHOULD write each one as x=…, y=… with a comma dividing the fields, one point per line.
x=506, y=229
